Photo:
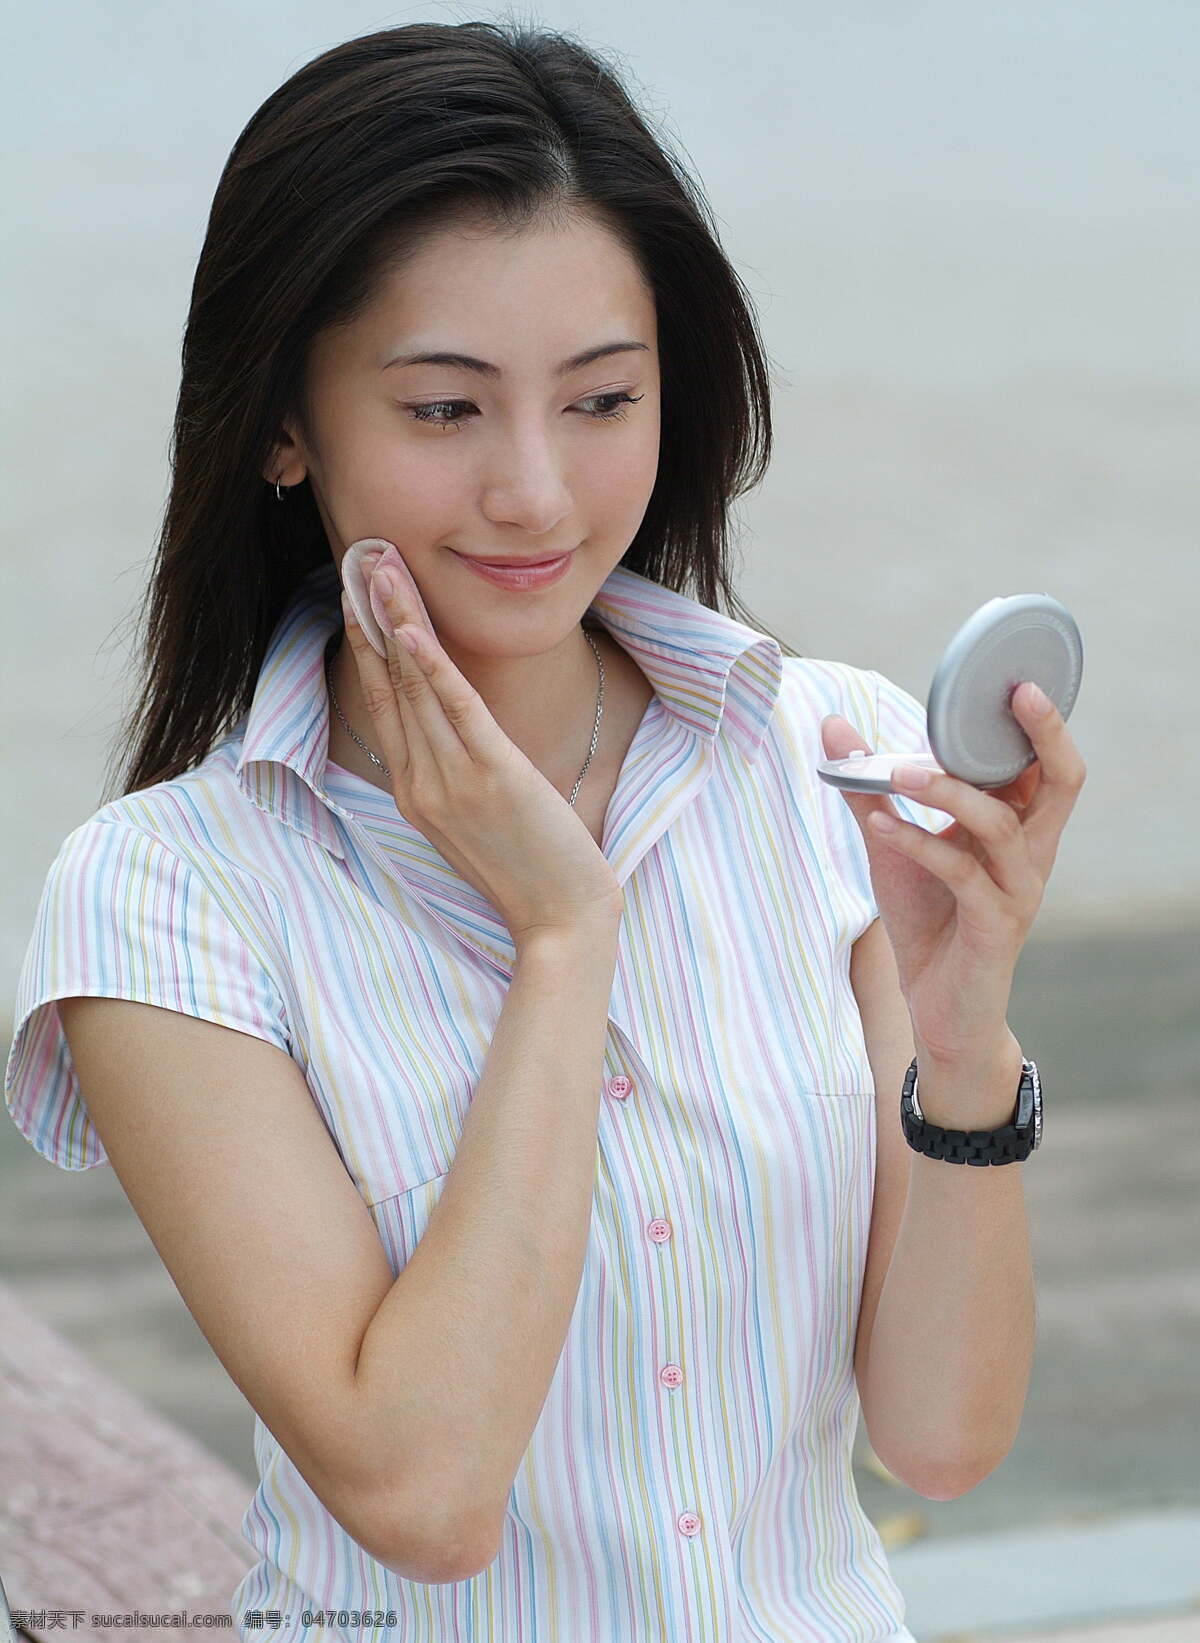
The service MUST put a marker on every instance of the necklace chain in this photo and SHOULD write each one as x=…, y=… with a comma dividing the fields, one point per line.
x=329, y=660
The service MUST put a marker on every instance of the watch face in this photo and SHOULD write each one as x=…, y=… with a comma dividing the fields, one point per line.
x=1031, y=1087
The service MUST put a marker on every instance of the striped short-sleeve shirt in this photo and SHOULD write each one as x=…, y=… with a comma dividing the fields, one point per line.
x=689, y=1477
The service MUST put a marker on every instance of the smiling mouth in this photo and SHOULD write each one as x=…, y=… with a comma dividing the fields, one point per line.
x=514, y=564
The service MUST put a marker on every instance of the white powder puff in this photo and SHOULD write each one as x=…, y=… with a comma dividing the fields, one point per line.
x=358, y=563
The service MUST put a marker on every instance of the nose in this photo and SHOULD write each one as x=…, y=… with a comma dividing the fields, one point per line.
x=529, y=489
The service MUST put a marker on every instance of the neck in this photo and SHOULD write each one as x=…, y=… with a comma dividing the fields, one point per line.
x=545, y=705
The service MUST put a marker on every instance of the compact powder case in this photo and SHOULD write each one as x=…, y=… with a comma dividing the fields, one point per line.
x=973, y=731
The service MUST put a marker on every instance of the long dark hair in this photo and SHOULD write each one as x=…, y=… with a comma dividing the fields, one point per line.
x=336, y=180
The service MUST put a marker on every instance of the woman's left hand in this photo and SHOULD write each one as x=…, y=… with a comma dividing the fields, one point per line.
x=958, y=905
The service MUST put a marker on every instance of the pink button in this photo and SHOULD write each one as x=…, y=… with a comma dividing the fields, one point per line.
x=688, y=1523
x=619, y=1086
x=659, y=1230
x=671, y=1375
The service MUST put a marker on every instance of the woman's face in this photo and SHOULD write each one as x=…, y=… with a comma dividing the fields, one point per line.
x=511, y=461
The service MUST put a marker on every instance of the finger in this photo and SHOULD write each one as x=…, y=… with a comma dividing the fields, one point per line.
x=462, y=709
x=448, y=708
x=990, y=820
x=420, y=684
x=392, y=560
x=839, y=738
x=392, y=735
x=435, y=740
x=1063, y=775
x=981, y=900
x=430, y=740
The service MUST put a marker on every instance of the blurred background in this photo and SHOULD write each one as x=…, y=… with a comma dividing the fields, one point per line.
x=972, y=238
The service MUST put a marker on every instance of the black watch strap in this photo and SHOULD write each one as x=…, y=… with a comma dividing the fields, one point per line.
x=1012, y=1143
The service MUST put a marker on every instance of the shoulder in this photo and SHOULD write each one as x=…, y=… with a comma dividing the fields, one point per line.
x=196, y=835
x=887, y=715
x=210, y=786
x=811, y=687
x=143, y=902
x=202, y=815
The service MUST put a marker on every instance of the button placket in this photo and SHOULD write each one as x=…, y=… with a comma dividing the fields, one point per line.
x=658, y=1230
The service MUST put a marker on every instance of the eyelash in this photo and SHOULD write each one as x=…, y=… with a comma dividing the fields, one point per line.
x=615, y=415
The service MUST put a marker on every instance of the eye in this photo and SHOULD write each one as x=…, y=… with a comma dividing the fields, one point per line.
x=619, y=399
x=429, y=413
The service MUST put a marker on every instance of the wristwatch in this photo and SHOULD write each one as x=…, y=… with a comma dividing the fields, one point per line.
x=1011, y=1144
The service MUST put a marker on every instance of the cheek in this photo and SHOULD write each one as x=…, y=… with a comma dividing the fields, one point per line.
x=625, y=473
x=416, y=487
x=644, y=459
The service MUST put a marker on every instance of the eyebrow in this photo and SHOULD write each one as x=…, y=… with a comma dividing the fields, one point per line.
x=464, y=362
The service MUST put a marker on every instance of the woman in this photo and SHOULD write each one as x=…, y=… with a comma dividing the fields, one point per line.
x=501, y=1039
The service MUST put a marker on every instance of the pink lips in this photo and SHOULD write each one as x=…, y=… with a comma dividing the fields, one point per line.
x=519, y=578
x=513, y=564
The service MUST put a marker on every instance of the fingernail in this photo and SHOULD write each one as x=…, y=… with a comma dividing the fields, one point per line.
x=385, y=581
x=1039, y=702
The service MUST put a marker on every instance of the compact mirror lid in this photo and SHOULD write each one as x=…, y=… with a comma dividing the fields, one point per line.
x=972, y=731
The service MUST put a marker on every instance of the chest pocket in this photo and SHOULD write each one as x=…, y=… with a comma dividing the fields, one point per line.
x=396, y=1113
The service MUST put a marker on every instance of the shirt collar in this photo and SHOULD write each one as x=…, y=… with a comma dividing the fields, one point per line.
x=710, y=672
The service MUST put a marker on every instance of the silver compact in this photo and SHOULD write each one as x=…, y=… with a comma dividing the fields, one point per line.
x=972, y=729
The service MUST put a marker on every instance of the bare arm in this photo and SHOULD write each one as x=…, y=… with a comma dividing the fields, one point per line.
x=455, y=1366
x=405, y=1403
x=216, y=1139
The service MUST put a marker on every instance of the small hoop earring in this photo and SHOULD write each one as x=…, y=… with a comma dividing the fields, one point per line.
x=278, y=492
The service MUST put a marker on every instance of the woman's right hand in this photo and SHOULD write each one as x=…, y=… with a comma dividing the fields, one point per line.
x=470, y=790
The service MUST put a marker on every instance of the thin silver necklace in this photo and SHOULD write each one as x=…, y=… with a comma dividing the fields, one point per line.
x=329, y=661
